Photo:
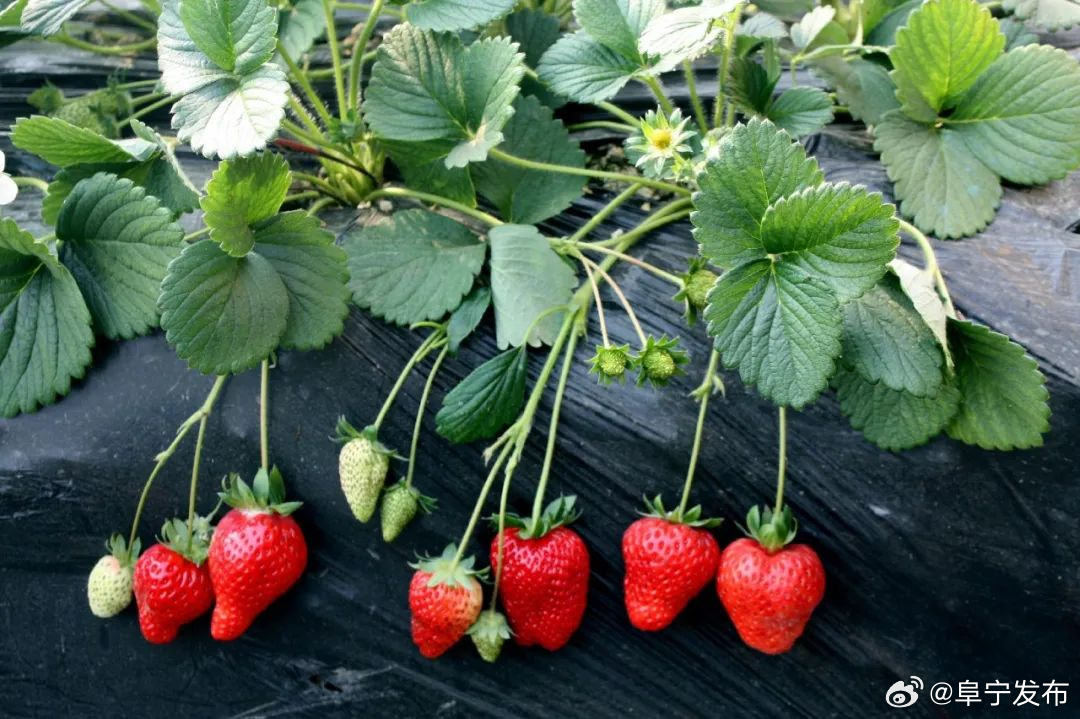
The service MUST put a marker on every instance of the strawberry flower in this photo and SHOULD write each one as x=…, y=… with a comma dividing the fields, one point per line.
x=8, y=188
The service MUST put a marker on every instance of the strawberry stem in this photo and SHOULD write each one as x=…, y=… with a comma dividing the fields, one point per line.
x=193, y=491
x=464, y=543
x=932, y=266
x=264, y=430
x=501, y=537
x=164, y=456
x=704, y=392
x=421, y=352
x=781, y=468
x=420, y=413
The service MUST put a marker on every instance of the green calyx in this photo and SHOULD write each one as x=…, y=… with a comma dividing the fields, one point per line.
x=659, y=361
x=194, y=545
x=266, y=493
x=118, y=547
x=772, y=531
x=400, y=504
x=559, y=513
x=697, y=281
x=610, y=363
x=345, y=433
x=444, y=571
x=489, y=633
x=691, y=517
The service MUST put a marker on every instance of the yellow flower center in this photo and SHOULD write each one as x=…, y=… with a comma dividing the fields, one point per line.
x=660, y=138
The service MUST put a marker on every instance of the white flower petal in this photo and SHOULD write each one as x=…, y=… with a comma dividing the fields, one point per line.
x=1, y=160
x=8, y=190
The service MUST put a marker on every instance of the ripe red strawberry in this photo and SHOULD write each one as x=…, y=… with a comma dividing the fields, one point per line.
x=445, y=599
x=257, y=553
x=545, y=578
x=769, y=586
x=669, y=557
x=172, y=584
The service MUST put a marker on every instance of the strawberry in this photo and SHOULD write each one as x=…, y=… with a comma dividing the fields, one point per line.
x=444, y=598
x=400, y=503
x=769, y=586
x=489, y=633
x=257, y=553
x=545, y=577
x=669, y=557
x=362, y=467
x=172, y=583
x=109, y=586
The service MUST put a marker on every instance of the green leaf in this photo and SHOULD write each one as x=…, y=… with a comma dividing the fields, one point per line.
x=758, y=165
x=534, y=31
x=1003, y=394
x=885, y=340
x=315, y=276
x=779, y=327
x=162, y=175
x=617, y=24
x=238, y=35
x=939, y=183
x=942, y=50
x=892, y=419
x=1017, y=34
x=223, y=314
x=843, y=235
x=466, y=318
x=485, y=401
x=456, y=15
x=117, y=242
x=416, y=266
x=685, y=33
x=919, y=287
x=45, y=335
x=240, y=193
x=804, y=32
x=581, y=69
x=300, y=26
x=1022, y=117
x=1046, y=14
x=223, y=112
x=529, y=196
x=63, y=144
x=528, y=278
x=428, y=86
x=47, y=17
x=422, y=170
x=751, y=86
x=801, y=110
x=761, y=26
x=864, y=86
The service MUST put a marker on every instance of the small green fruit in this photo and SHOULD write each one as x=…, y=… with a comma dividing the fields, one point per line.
x=610, y=363
x=109, y=586
x=697, y=288
x=363, y=469
x=659, y=361
x=399, y=506
x=658, y=365
x=489, y=633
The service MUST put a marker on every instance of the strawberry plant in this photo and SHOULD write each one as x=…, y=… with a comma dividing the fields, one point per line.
x=444, y=126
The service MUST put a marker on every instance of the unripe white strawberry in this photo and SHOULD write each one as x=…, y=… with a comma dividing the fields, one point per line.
x=362, y=467
x=109, y=586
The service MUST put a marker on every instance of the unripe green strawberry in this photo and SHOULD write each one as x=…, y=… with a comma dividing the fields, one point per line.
x=362, y=466
x=697, y=287
x=400, y=503
x=489, y=633
x=660, y=361
x=109, y=585
x=610, y=363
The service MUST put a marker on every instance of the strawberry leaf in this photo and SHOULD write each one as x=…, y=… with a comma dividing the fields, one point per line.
x=485, y=401
x=685, y=33
x=534, y=31
x=529, y=196
x=466, y=318
x=47, y=17
x=919, y=287
x=63, y=144
x=1003, y=394
x=300, y=26
x=893, y=419
x=240, y=193
x=528, y=278
x=117, y=242
x=223, y=314
x=237, y=35
x=581, y=69
x=864, y=86
x=45, y=335
x=416, y=266
x=429, y=86
x=617, y=24
x=801, y=110
x=452, y=15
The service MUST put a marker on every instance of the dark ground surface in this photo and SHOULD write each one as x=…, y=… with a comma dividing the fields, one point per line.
x=945, y=562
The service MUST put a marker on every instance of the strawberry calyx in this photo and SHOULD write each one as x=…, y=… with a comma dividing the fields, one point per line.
x=489, y=633
x=444, y=570
x=691, y=517
x=118, y=547
x=659, y=361
x=772, y=530
x=266, y=493
x=559, y=513
x=345, y=432
x=193, y=545
x=696, y=283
